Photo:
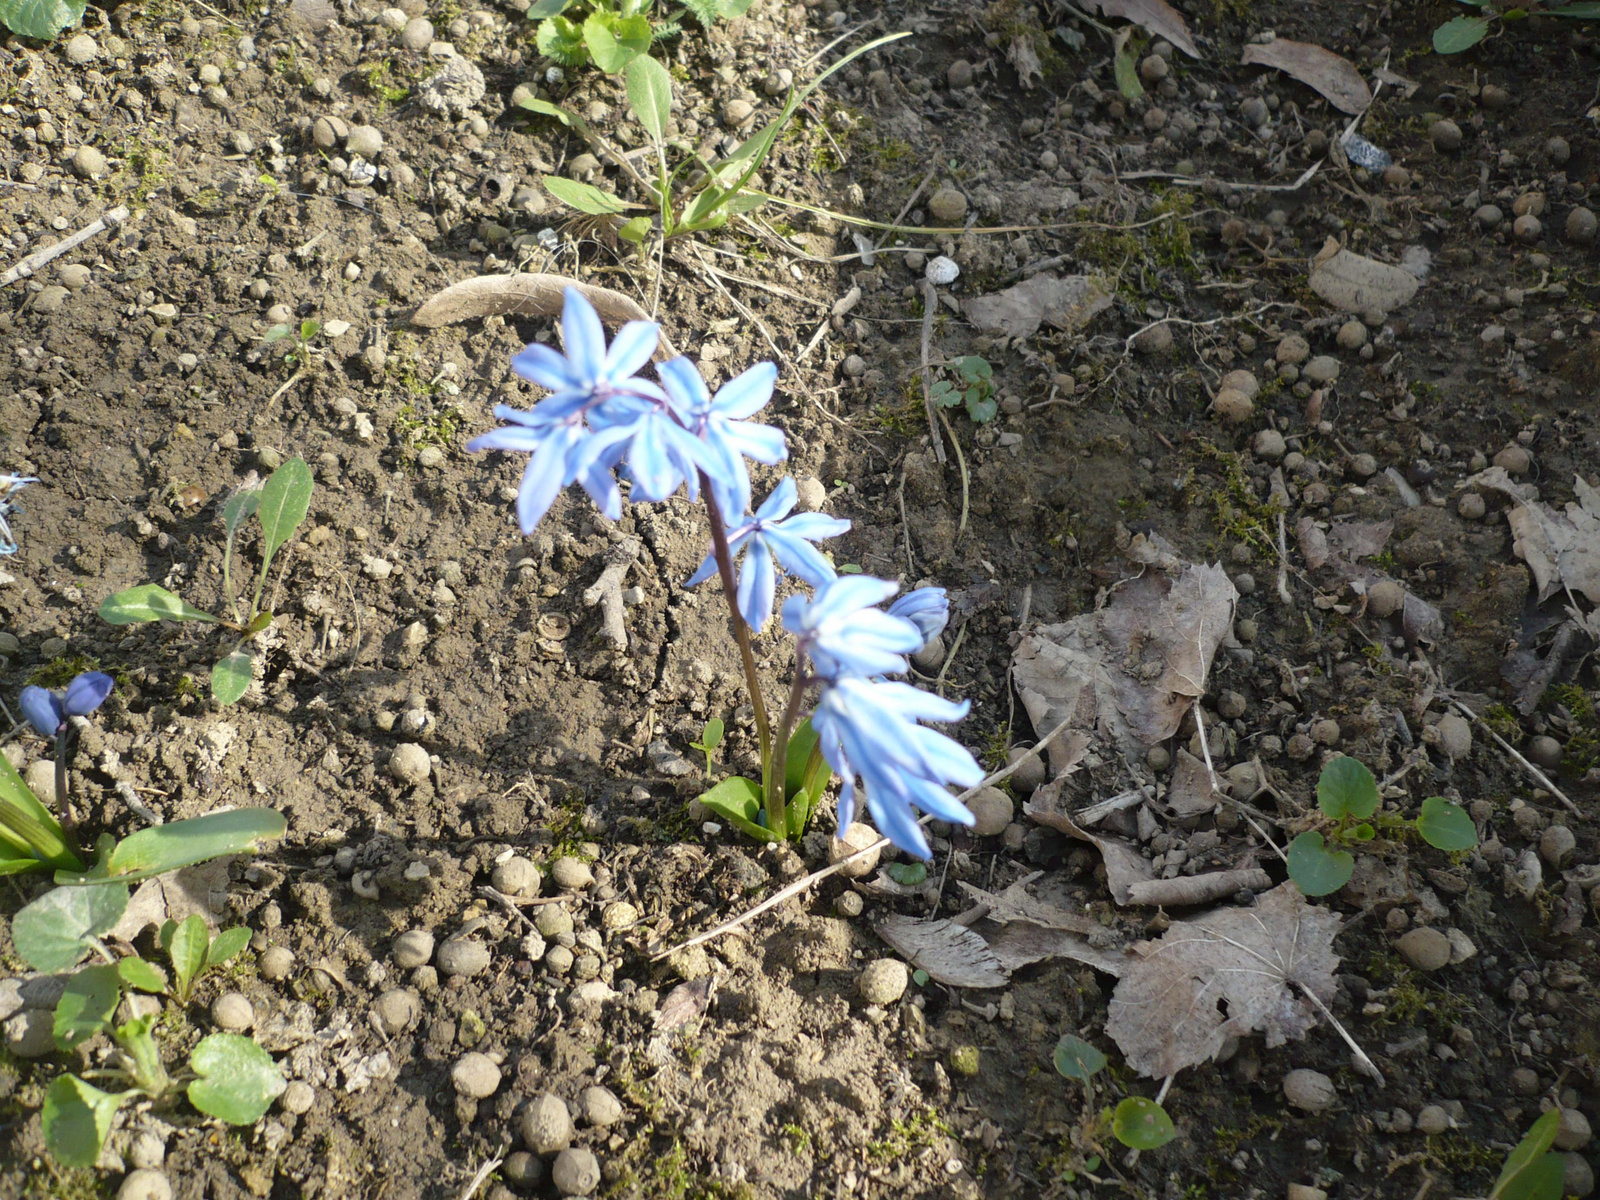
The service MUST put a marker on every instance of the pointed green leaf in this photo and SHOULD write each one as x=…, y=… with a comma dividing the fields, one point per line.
x=87, y=1004
x=177, y=844
x=1515, y=1176
x=1446, y=826
x=77, y=1120
x=145, y=976
x=238, y=1079
x=1460, y=33
x=583, y=197
x=55, y=931
x=562, y=40
x=711, y=734
x=635, y=230
x=239, y=506
x=149, y=602
x=188, y=951
x=1127, y=74
x=41, y=19
x=29, y=832
x=1142, y=1124
x=650, y=95
x=1347, y=788
x=737, y=800
x=728, y=10
x=1077, y=1059
x=285, y=500
x=227, y=944
x=545, y=108
x=744, y=202
x=1316, y=870
x=230, y=678
x=541, y=9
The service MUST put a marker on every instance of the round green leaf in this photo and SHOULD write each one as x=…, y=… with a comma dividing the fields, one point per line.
x=1460, y=33
x=87, y=1005
x=238, y=1079
x=1446, y=826
x=907, y=874
x=148, y=602
x=77, y=1118
x=1077, y=1059
x=1142, y=1124
x=231, y=677
x=1315, y=869
x=54, y=932
x=1347, y=788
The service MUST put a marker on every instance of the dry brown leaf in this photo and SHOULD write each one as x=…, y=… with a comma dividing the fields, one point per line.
x=526, y=295
x=685, y=1003
x=1192, y=790
x=1022, y=944
x=175, y=896
x=1025, y=61
x=1130, y=671
x=1015, y=904
x=948, y=952
x=1335, y=77
x=1124, y=865
x=1156, y=16
x=1561, y=549
x=1066, y=303
x=1355, y=283
x=1231, y=972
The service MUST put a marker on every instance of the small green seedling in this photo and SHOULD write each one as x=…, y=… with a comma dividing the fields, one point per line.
x=738, y=800
x=1137, y=1122
x=1532, y=1171
x=973, y=387
x=299, y=356
x=194, y=951
x=693, y=195
x=710, y=739
x=281, y=505
x=1463, y=33
x=611, y=35
x=229, y=1077
x=1348, y=796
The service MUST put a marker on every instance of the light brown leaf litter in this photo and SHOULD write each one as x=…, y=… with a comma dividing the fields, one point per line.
x=526, y=295
x=1355, y=283
x=1155, y=16
x=1336, y=78
x=1562, y=549
x=1024, y=59
x=1021, y=930
x=1066, y=302
x=948, y=952
x=1229, y=973
x=1128, y=672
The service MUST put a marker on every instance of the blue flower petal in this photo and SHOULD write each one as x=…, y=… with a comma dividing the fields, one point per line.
x=778, y=502
x=86, y=693
x=43, y=710
x=541, y=364
x=746, y=394
x=758, y=583
x=631, y=350
x=584, y=338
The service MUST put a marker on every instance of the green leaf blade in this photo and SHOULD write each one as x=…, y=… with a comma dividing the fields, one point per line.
x=583, y=197
x=187, y=949
x=177, y=844
x=1515, y=1177
x=150, y=602
x=55, y=931
x=87, y=1005
x=650, y=95
x=77, y=1120
x=1078, y=1059
x=614, y=42
x=41, y=19
x=226, y=945
x=239, y=508
x=1316, y=870
x=1127, y=74
x=141, y=975
x=1347, y=788
x=285, y=501
x=1460, y=33
x=231, y=676
x=737, y=800
x=1142, y=1124
x=1446, y=826
x=238, y=1079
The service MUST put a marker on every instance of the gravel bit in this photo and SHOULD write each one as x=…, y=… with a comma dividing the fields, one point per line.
x=397, y=1010
x=1445, y=136
x=1233, y=406
x=411, y=949
x=88, y=163
x=1471, y=506
x=1031, y=774
x=884, y=981
x=144, y=1184
x=475, y=1075
x=553, y=920
x=298, y=1097
x=1426, y=949
x=1325, y=732
x=1309, y=1090
x=232, y=1012
x=546, y=1124
x=1242, y=381
x=1544, y=751
x=857, y=837
x=1433, y=1120
x=966, y=1060
x=571, y=874
x=276, y=963
x=1157, y=339
x=1581, y=226
x=848, y=905
x=947, y=206
x=454, y=88
x=81, y=50
x=618, y=915
x=599, y=1106
x=1574, y=1132
x=1556, y=845
x=417, y=34
x=1293, y=350
x=517, y=876
x=463, y=956
x=409, y=764
x=1455, y=736
x=576, y=1172
x=992, y=811
x=1269, y=444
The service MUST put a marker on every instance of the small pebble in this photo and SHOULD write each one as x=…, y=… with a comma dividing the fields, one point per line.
x=618, y=915
x=1488, y=217
x=1433, y=1120
x=144, y=1184
x=947, y=206
x=1309, y=1090
x=848, y=905
x=409, y=763
x=810, y=494
x=411, y=949
x=1574, y=1132
x=884, y=981
x=1580, y=226
x=1385, y=598
x=463, y=956
x=1455, y=736
x=571, y=874
x=1154, y=340
x=276, y=963
x=965, y=1060
x=232, y=1013
x=1031, y=774
x=298, y=1097
x=599, y=1106
x=1579, y=1178
x=992, y=811
x=1241, y=381
x=1527, y=229
x=1325, y=732
x=546, y=1125
x=475, y=1076
x=1426, y=949
x=1471, y=506
x=516, y=877
x=1352, y=335
x=397, y=1010
x=856, y=838
x=576, y=1172
x=1293, y=350
x=1494, y=97
x=1445, y=136
x=1544, y=751
x=88, y=163
x=417, y=35
x=1322, y=369
x=1525, y=1081
x=1269, y=444
x=82, y=49
x=1233, y=406
x=959, y=73
x=1556, y=845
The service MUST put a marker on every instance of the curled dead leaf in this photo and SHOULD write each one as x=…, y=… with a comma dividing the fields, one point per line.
x=1335, y=77
x=1155, y=16
x=527, y=295
x=949, y=953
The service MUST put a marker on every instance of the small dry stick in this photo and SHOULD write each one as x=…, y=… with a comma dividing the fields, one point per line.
x=805, y=881
x=1543, y=779
x=1366, y=1064
x=110, y=220
x=1284, y=594
x=478, y=1180
x=607, y=592
x=930, y=303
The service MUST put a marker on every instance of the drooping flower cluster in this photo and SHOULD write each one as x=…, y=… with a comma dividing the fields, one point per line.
x=603, y=425
x=10, y=485
x=870, y=729
x=48, y=711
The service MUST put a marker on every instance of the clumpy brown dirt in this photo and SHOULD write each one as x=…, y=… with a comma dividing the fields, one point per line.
x=141, y=393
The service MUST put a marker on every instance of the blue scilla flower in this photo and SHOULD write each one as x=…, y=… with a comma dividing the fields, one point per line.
x=843, y=634
x=772, y=539
x=869, y=730
x=10, y=485
x=48, y=711
x=928, y=608
x=588, y=373
x=722, y=421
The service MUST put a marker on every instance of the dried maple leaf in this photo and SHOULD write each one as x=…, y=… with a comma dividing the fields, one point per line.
x=1229, y=973
x=1561, y=549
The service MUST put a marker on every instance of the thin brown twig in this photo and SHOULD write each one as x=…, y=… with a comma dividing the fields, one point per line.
x=1544, y=780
